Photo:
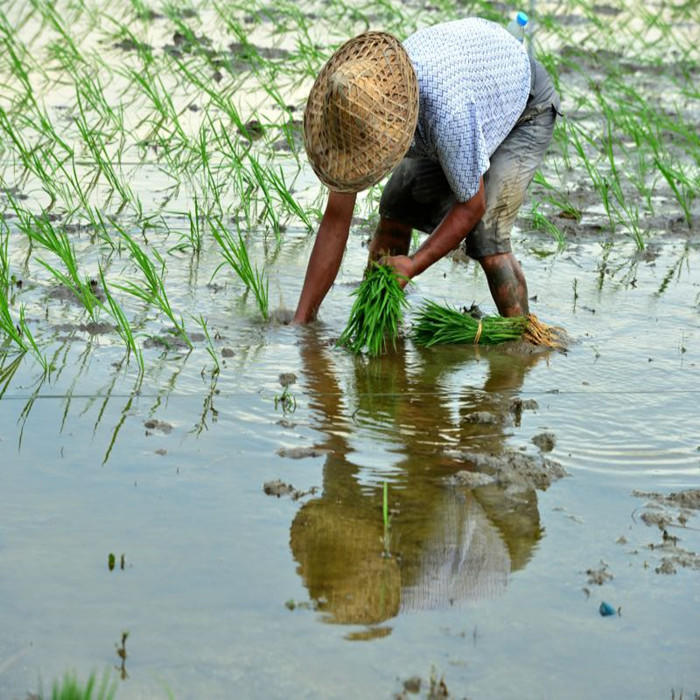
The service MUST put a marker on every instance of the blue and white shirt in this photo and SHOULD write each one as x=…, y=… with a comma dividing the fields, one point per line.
x=473, y=84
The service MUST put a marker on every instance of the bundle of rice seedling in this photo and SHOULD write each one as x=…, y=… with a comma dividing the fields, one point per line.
x=437, y=324
x=376, y=315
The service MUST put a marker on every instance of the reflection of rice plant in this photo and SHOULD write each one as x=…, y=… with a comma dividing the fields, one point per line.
x=286, y=401
x=386, y=538
x=236, y=255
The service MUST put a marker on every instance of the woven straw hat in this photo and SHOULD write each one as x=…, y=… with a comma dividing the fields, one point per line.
x=361, y=113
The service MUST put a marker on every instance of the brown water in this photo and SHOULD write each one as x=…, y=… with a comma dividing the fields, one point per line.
x=483, y=585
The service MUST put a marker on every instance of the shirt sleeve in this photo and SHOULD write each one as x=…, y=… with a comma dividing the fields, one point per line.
x=462, y=151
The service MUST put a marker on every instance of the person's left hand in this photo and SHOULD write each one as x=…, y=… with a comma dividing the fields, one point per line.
x=403, y=266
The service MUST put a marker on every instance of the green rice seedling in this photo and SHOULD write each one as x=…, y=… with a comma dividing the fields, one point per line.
x=236, y=255
x=541, y=223
x=376, y=314
x=8, y=371
x=18, y=332
x=681, y=186
x=51, y=16
x=92, y=138
x=39, y=229
x=153, y=292
x=11, y=330
x=386, y=538
x=286, y=198
x=143, y=12
x=221, y=100
x=600, y=182
x=123, y=326
x=436, y=324
x=166, y=116
x=33, y=158
x=270, y=205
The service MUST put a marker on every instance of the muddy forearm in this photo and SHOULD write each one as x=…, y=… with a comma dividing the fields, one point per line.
x=458, y=222
x=326, y=255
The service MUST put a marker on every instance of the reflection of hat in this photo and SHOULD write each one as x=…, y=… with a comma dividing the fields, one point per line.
x=340, y=559
x=361, y=112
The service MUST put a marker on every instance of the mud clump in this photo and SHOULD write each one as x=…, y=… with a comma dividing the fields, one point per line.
x=545, y=442
x=514, y=469
x=600, y=575
x=481, y=418
x=672, y=510
x=689, y=499
x=161, y=426
x=518, y=405
x=287, y=379
x=302, y=452
x=279, y=488
x=471, y=480
x=91, y=327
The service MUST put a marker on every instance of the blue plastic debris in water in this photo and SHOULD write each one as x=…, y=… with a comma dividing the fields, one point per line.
x=606, y=609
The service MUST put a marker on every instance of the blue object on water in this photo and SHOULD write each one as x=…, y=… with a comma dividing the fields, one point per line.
x=606, y=609
x=517, y=26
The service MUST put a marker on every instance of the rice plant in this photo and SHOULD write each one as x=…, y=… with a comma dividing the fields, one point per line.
x=123, y=326
x=436, y=325
x=376, y=314
x=40, y=230
x=236, y=255
x=152, y=291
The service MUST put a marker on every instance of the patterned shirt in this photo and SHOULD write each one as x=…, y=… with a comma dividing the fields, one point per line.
x=473, y=84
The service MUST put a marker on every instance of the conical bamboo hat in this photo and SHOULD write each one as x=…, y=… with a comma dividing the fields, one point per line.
x=361, y=113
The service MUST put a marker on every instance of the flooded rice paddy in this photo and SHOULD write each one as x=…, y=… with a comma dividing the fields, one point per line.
x=200, y=513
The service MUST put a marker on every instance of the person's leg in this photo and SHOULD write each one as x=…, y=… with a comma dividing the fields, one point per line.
x=512, y=167
x=507, y=283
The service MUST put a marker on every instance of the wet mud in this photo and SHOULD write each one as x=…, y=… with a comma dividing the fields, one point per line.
x=514, y=469
x=671, y=513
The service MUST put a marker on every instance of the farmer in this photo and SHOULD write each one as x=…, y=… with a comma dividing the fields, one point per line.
x=463, y=116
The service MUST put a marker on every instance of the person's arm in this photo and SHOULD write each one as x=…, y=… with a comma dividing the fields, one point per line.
x=452, y=230
x=326, y=255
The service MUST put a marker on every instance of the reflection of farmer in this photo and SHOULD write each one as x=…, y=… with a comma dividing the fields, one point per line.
x=466, y=116
x=448, y=544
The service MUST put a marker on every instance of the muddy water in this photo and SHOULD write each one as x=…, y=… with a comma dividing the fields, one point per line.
x=227, y=591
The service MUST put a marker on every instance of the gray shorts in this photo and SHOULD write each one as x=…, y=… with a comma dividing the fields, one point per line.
x=419, y=195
